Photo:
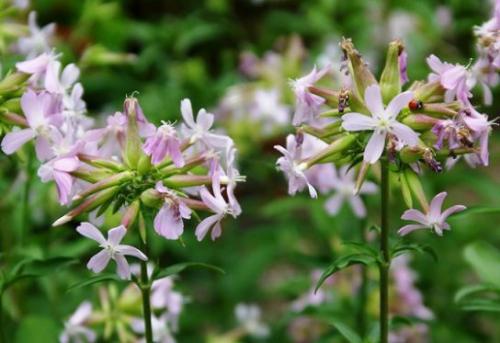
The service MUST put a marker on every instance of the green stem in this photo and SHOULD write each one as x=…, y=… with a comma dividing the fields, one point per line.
x=3, y=338
x=384, y=248
x=363, y=290
x=25, y=218
x=145, y=285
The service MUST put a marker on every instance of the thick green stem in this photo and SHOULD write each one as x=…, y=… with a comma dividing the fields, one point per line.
x=145, y=285
x=384, y=249
x=3, y=338
x=363, y=290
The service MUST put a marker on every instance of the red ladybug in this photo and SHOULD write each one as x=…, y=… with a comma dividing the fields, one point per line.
x=415, y=105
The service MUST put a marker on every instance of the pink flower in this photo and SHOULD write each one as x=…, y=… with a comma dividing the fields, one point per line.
x=39, y=39
x=199, y=130
x=434, y=220
x=307, y=104
x=60, y=83
x=403, y=67
x=230, y=178
x=216, y=203
x=59, y=170
x=111, y=138
x=343, y=183
x=382, y=122
x=42, y=112
x=163, y=296
x=164, y=143
x=74, y=328
x=168, y=222
x=454, y=78
x=290, y=164
x=111, y=249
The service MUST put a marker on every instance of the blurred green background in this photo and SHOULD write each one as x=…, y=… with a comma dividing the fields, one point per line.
x=192, y=48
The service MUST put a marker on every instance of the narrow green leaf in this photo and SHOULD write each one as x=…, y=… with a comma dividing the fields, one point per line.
x=476, y=210
x=470, y=290
x=485, y=259
x=361, y=247
x=177, y=268
x=344, y=262
x=403, y=248
x=483, y=305
x=348, y=333
x=94, y=280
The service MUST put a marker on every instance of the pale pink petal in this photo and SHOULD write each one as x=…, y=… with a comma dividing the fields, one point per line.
x=205, y=225
x=398, y=103
x=415, y=215
x=168, y=223
x=122, y=267
x=368, y=188
x=90, y=231
x=358, y=122
x=357, y=206
x=43, y=149
x=373, y=100
x=64, y=183
x=187, y=112
x=334, y=203
x=405, y=134
x=81, y=314
x=375, y=147
x=216, y=231
x=15, y=139
x=436, y=205
x=116, y=235
x=205, y=119
x=31, y=108
x=128, y=250
x=66, y=164
x=69, y=75
x=99, y=261
x=454, y=209
x=410, y=228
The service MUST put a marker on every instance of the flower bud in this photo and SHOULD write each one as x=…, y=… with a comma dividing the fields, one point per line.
x=361, y=75
x=144, y=164
x=151, y=197
x=428, y=92
x=15, y=119
x=98, y=55
x=390, y=82
x=105, y=183
x=181, y=181
x=88, y=205
x=416, y=188
x=13, y=82
x=99, y=163
x=130, y=214
x=12, y=105
x=405, y=190
x=331, y=97
x=360, y=178
x=337, y=146
x=133, y=144
x=419, y=121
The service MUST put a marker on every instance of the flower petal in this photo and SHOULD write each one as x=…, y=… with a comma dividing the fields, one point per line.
x=436, y=205
x=358, y=122
x=15, y=139
x=116, y=235
x=99, y=261
x=373, y=100
x=122, y=267
x=334, y=203
x=453, y=209
x=375, y=147
x=131, y=251
x=205, y=225
x=405, y=134
x=410, y=228
x=90, y=231
x=398, y=103
x=416, y=216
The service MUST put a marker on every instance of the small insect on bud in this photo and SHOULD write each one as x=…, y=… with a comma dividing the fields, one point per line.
x=343, y=100
x=431, y=161
x=416, y=105
x=464, y=136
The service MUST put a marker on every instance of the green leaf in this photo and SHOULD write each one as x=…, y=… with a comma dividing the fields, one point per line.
x=344, y=262
x=485, y=259
x=476, y=210
x=361, y=247
x=403, y=248
x=177, y=268
x=94, y=280
x=37, y=329
x=484, y=305
x=348, y=333
x=467, y=291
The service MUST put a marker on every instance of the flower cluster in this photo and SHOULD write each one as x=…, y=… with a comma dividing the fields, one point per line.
x=129, y=165
x=117, y=313
x=430, y=125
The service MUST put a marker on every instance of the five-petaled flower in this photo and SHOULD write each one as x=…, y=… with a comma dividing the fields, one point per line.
x=111, y=249
x=383, y=121
x=168, y=222
x=434, y=219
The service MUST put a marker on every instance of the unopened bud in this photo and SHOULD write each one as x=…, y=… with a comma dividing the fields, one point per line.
x=13, y=82
x=133, y=144
x=130, y=214
x=420, y=121
x=405, y=190
x=88, y=205
x=151, y=198
x=416, y=188
x=331, y=97
x=181, y=181
x=428, y=92
x=390, y=83
x=361, y=75
x=360, y=178
x=105, y=183
x=14, y=119
x=337, y=146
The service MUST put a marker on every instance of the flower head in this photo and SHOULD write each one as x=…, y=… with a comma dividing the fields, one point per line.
x=39, y=39
x=383, y=121
x=111, y=249
x=164, y=143
x=434, y=219
x=168, y=222
x=249, y=317
x=307, y=104
x=75, y=329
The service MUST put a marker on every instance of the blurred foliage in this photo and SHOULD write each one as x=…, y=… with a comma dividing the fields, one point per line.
x=191, y=48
